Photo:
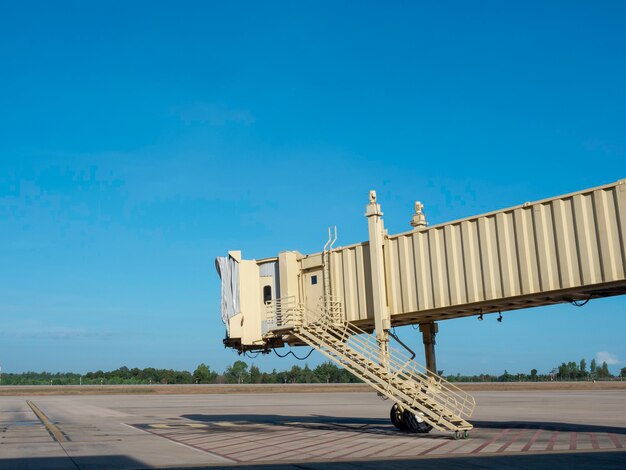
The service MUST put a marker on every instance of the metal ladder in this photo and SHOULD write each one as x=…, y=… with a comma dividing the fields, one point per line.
x=394, y=375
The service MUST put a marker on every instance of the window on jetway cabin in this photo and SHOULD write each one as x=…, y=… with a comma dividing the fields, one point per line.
x=313, y=280
x=267, y=294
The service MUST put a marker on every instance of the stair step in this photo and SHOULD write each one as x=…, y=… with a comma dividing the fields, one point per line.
x=358, y=361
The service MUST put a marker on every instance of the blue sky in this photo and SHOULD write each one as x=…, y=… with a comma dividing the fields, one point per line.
x=140, y=140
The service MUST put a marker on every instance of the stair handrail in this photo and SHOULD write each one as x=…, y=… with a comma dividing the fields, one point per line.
x=402, y=365
x=430, y=408
x=289, y=313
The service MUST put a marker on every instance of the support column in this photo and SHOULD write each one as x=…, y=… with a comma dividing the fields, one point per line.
x=376, y=229
x=429, y=330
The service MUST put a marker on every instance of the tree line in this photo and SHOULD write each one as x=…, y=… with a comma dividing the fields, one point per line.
x=565, y=372
x=237, y=373
x=241, y=373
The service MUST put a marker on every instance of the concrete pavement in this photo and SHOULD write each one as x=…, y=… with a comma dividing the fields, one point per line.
x=551, y=428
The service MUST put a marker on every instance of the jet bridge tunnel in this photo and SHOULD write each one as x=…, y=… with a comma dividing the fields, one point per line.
x=569, y=248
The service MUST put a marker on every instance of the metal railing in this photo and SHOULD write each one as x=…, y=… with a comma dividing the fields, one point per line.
x=402, y=373
x=284, y=313
x=400, y=367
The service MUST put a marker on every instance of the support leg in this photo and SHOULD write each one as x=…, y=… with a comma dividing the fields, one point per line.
x=429, y=330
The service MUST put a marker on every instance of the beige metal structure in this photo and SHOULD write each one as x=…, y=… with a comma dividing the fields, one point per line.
x=564, y=249
x=422, y=399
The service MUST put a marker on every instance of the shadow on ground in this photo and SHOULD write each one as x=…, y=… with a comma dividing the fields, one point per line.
x=379, y=426
x=582, y=460
x=121, y=462
x=548, y=426
x=280, y=419
x=552, y=461
x=247, y=423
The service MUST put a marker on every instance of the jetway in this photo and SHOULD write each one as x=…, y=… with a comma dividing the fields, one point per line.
x=569, y=248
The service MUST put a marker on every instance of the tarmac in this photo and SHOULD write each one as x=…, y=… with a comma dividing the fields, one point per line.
x=513, y=429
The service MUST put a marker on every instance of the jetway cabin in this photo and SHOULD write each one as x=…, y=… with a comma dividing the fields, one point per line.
x=569, y=248
x=562, y=249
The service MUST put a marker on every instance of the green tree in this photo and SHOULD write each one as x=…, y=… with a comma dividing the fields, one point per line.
x=593, y=366
x=506, y=377
x=583, y=367
x=603, y=371
x=237, y=373
x=271, y=377
x=533, y=375
x=308, y=376
x=622, y=373
x=328, y=373
x=204, y=375
x=568, y=371
x=255, y=375
x=294, y=374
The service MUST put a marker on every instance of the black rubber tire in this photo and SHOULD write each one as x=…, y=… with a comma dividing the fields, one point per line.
x=415, y=424
x=396, y=418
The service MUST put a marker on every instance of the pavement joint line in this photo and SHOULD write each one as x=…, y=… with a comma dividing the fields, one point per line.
x=189, y=446
x=430, y=449
x=378, y=447
x=495, y=438
x=265, y=440
x=615, y=440
x=352, y=452
x=326, y=441
x=513, y=440
x=308, y=437
x=54, y=431
x=553, y=439
x=532, y=440
x=594, y=440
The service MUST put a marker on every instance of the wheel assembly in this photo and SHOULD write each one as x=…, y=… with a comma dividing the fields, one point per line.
x=415, y=423
x=396, y=417
x=405, y=420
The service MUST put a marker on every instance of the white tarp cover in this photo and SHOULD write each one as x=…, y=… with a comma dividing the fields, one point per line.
x=228, y=269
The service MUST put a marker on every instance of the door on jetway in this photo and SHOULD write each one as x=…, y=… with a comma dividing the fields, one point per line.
x=313, y=288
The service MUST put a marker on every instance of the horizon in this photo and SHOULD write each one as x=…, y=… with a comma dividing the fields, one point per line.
x=141, y=141
x=303, y=364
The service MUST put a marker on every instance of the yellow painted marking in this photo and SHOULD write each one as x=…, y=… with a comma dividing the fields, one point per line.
x=52, y=429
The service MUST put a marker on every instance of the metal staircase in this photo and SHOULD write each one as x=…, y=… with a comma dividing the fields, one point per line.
x=423, y=400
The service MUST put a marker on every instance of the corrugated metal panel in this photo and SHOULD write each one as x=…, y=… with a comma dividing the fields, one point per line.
x=351, y=280
x=560, y=244
x=268, y=269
